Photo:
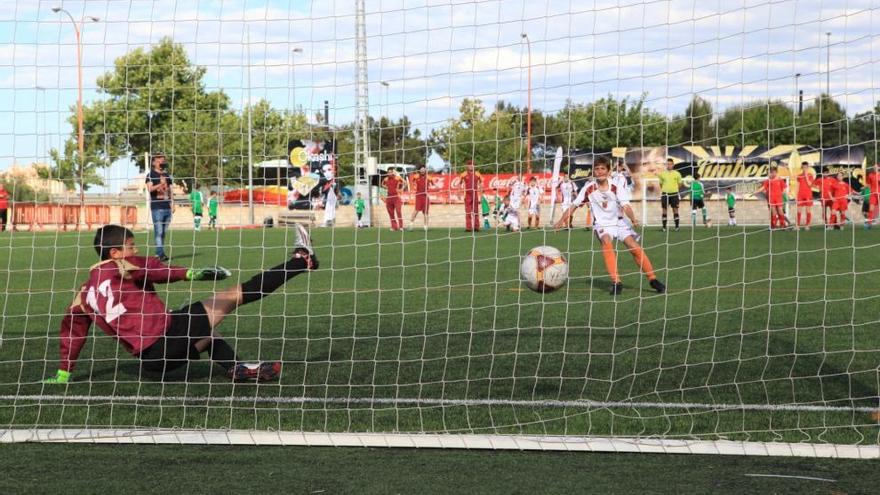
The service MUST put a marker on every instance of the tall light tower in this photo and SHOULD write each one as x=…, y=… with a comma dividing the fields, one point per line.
x=80, y=141
x=525, y=36
x=362, y=160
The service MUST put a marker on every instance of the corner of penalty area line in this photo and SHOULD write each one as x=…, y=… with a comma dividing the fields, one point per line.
x=442, y=441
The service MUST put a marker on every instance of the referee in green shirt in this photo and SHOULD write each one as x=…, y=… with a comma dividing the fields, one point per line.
x=670, y=183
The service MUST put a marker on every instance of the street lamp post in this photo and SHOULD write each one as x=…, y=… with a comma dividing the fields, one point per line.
x=383, y=112
x=828, y=65
x=293, y=53
x=525, y=36
x=77, y=29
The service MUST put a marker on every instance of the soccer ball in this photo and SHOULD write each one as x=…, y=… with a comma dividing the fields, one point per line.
x=544, y=269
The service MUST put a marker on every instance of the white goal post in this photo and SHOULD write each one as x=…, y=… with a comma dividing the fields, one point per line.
x=215, y=131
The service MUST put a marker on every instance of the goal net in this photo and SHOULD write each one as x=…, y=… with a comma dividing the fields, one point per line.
x=359, y=120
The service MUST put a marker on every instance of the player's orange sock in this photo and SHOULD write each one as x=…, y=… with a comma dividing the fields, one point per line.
x=642, y=260
x=809, y=217
x=799, y=219
x=610, y=261
x=833, y=219
x=772, y=220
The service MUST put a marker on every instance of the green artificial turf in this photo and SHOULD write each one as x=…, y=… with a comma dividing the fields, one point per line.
x=750, y=318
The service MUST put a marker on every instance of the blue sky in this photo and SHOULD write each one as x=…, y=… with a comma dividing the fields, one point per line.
x=434, y=53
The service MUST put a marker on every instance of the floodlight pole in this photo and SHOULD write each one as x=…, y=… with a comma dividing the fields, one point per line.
x=250, y=111
x=77, y=29
x=525, y=36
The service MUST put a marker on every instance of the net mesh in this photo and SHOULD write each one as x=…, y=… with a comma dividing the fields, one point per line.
x=763, y=334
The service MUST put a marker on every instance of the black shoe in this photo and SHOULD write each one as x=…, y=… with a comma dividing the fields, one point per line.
x=163, y=258
x=616, y=288
x=658, y=286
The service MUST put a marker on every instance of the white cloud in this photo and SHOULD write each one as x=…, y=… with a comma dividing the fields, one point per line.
x=434, y=53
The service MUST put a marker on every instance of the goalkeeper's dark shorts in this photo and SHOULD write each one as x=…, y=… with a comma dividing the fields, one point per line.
x=189, y=324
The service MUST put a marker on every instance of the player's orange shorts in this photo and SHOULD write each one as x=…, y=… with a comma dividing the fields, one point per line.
x=841, y=204
x=776, y=201
x=827, y=203
x=805, y=200
x=875, y=198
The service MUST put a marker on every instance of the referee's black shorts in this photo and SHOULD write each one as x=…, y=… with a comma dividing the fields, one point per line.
x=189, y=324
x=697, y=204
x=669, y=199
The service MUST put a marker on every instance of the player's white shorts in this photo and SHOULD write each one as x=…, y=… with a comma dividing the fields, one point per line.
x=566, y=205
x=534, y=209
x=618, y=232
x=512, y=220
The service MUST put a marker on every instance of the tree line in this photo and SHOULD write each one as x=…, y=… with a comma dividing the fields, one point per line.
x=156, y=100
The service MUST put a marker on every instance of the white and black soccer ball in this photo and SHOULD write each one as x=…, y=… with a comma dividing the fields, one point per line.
x=544, y=269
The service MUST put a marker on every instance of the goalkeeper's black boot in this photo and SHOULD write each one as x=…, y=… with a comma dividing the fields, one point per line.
x=616, y=288
x=658, y=286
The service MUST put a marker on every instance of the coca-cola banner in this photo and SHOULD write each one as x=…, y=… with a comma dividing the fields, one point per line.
x=447, y=188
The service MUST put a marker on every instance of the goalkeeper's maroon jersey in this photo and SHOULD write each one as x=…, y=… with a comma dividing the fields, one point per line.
x=120, y=298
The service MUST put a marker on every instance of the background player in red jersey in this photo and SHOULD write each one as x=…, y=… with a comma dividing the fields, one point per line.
x=120, y=298
x=805, y=196
x=393, y=183
x=421, y=182
x=842, y=192
x=826, y=191
x=873, y=182
x=472, y=183
x=774, y=187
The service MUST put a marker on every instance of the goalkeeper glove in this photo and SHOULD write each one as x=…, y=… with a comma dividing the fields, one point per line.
x=61, y=376
x=212, y=273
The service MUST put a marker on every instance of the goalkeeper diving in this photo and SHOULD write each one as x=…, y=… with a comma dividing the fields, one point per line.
x=120, y=298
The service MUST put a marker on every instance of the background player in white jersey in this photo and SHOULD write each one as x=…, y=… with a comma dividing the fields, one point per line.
x=609, y=206
x=534, y=202
x=517, y=190
x=567, y=188
x=509, y=215
x=622, y=178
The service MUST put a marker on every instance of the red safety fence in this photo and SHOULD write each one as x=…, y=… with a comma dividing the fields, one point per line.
x=446, y=188
x=40, y=215
x=128, y=215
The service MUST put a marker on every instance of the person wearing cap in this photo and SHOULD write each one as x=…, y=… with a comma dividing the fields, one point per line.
x=472, y=183
x=158, y=182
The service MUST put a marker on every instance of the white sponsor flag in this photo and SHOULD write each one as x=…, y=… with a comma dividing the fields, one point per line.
x=554, y=183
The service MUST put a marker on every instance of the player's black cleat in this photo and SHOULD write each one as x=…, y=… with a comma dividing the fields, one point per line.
x=616, y=288
x=164, y=258
x=658, y=286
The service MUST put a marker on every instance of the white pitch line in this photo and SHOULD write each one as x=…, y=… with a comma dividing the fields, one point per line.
x=384, y=401
x=810, y=478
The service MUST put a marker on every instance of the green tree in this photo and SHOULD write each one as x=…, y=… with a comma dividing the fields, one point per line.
x=495, y=142
x=608, y=122
x=698, y=124
x=823, y=123
x=763, y=123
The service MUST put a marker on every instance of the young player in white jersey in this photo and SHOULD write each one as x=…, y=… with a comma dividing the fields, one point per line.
x=534, y=202
x=622, y=179
x=509, y=215
x=517, y=190
x=567, y=188
x=613, y=220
